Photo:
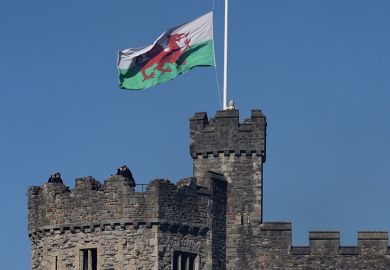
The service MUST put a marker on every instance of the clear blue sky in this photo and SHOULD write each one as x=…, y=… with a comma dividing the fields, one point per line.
x=320, y=70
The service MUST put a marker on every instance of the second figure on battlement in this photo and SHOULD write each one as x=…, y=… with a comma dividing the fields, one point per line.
x=125, y=172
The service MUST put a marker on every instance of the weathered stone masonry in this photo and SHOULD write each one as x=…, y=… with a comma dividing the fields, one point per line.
x=214, y=217
x=130, y=230
x=236, y=150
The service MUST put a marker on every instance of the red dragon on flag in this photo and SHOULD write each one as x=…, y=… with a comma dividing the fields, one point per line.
x=161, y=56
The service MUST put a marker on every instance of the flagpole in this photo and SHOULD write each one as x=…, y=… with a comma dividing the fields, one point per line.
x=225, y=70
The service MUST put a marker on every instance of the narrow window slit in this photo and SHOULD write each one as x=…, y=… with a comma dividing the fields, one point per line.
x=88, y=259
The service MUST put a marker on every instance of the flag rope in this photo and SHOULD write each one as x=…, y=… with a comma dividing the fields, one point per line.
x=215, y=68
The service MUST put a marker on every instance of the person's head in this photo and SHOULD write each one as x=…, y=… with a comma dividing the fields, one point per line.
x=124, y=167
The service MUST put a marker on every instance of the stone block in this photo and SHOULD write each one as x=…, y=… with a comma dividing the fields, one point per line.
x=324, y=243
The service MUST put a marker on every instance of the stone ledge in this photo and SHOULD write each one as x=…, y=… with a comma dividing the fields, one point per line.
x=372, y=235
x=275, y=226
x=121, y=224
x=227, y=114
x=324, y=235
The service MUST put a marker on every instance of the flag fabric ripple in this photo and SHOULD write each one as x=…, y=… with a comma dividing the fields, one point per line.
x=176, y=51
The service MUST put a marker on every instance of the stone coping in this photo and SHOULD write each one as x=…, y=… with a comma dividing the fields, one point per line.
x=192, y=228
x=324, y=235
x=367, y=235
x=275, y=226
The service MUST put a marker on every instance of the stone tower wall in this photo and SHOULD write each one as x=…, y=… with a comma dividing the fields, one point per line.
x=118, y=246
x=236, y=150
x=212, y=246
x=130, y=230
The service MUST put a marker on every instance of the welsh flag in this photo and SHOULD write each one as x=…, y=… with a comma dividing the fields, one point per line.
x=176, y=51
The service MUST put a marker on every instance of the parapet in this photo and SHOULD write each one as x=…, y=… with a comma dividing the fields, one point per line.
x=90, y=203
x=327, y=243
x=224, y=134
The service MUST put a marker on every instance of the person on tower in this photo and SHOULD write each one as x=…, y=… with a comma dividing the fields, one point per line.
x=55, y=178
x=125, y=172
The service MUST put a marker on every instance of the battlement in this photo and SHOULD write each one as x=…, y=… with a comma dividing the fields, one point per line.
x=327, y=243
x=54, y=205
x=276, y=238
x=224, y=134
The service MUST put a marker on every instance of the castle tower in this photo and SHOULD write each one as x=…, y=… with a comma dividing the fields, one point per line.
x=237, y=151
x=212, y=221
x=111, y=226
